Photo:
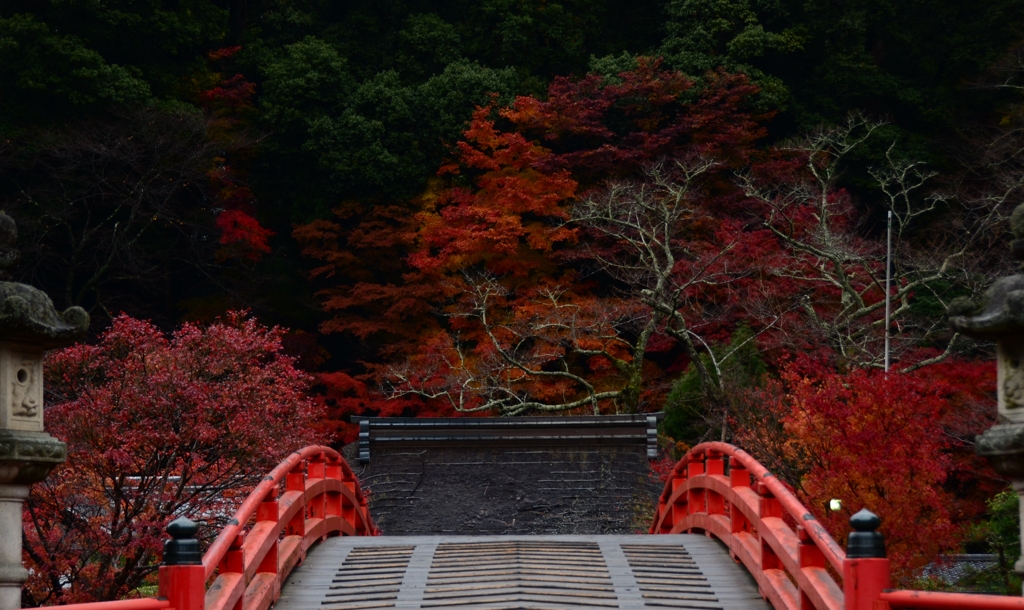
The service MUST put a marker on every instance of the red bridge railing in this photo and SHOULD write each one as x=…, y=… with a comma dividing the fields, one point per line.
x=764, y=525
x=321, y=497
x=723, y=491
x=268, y=536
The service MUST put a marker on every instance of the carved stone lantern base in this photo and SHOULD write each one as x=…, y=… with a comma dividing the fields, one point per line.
x=1003, y=445
x=25, y=458
x=28, y=457
x=12, y=572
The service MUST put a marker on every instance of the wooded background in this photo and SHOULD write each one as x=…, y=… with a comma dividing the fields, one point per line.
x=520, y=207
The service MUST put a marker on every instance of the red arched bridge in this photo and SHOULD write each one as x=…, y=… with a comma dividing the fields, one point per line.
x=729, y=536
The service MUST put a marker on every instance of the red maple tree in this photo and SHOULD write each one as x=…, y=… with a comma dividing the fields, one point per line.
x=157, y=427
x=887, y=442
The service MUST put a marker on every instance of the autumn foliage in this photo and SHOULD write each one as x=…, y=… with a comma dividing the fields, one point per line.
x=492, y=252
x=697, y=225
x=157, y=427
x=584, y=249
x=891, y=443
x=229, y=102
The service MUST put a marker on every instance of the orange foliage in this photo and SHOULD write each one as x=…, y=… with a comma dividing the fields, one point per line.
x=512, y=213
x=496, y=222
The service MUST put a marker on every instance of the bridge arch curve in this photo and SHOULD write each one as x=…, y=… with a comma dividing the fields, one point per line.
x=721, y=490
x=272, y=530
x=716, y=489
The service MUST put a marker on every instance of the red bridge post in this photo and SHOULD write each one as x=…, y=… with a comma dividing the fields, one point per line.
x=182, y=579
x=768, y=508
x=808, y=556
x=866, y=568
x=794, y=560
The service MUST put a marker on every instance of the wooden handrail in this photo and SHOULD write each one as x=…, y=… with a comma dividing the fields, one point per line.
x=762, y=523
x=321, y=498
x=266, y=538
x=142, y=603
x=781, y=544
x=941, y=600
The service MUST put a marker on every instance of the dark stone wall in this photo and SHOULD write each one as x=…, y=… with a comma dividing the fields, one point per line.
x=506, y=490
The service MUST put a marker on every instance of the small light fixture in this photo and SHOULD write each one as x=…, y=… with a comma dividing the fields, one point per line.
x=835, y=504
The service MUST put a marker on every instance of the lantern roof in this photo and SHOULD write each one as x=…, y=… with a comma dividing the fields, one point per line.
x=27, y=314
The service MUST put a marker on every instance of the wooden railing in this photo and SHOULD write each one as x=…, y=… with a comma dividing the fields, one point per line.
x=941, y=600
x=721, y=490
x=145, y=603
x=716, y=488
x=268, y=536
x=321, y=497
x=764, y=525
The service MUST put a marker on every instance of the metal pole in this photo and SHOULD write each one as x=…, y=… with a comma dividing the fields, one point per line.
x=888, y=280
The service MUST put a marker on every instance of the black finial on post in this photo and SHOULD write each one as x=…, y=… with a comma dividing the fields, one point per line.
x=864, y=542
x=183, y=548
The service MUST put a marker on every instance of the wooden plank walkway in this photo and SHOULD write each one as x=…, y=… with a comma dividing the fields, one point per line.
x=512, y=572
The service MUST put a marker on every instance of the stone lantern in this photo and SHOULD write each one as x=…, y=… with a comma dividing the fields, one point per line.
x=29, y=325
x=1000, y=318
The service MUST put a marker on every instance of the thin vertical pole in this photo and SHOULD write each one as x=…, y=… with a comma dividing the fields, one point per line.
x=888, y=280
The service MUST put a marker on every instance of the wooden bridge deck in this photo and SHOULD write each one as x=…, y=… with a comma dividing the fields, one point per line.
x=549, y=572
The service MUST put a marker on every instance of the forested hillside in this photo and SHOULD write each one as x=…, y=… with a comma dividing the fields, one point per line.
x=206, y=130
x=581, y=206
